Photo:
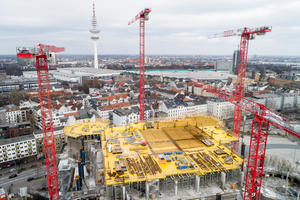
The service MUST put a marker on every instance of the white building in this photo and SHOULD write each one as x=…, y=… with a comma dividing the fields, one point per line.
x=18, y=147
x=103, y=111
x=126, y=116
x=182, y=107
x=14, y=114
x=278, y=101
x=58, y=118
x=220, y=108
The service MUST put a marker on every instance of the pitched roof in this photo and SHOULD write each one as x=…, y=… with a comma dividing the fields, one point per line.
x=70, y=114
x=111, y=98
x=121, y=83
x=175, y=90
x=114, y=106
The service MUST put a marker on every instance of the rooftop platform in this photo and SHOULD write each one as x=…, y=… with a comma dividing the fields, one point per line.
x=195, y=145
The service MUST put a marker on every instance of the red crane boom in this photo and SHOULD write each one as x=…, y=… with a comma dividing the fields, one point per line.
x=143, y=16
x=246, y=35
x=46, y=113
x=259, y=133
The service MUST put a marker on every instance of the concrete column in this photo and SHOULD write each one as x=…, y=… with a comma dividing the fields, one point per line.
x=223, y=178
x=197, y=184
x=298, y=194
x=242, y=177
x=124, y=192
x=147, y=190
x=175, y=187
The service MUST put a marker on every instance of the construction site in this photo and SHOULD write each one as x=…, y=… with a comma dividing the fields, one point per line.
x=157, y=160
x=162, y=159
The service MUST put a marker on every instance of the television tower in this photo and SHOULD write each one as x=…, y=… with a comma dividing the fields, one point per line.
x=95, y=38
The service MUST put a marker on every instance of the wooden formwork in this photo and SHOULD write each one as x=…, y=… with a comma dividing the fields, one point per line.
x=163, y=147
x=178, y=133
x=189, y=144
x=155, y=135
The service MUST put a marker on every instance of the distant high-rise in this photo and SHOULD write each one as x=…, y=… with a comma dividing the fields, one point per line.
x=95, y=38
x=236, y=56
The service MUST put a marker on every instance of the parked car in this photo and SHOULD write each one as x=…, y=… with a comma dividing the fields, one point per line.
x=30, y=179
x=13, y=176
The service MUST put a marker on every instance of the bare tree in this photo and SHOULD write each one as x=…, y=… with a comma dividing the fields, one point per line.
x=271, y=104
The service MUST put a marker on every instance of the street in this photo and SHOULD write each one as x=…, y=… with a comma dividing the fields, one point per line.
x=21, y=180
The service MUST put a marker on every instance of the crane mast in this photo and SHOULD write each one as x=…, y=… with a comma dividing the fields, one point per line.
x=46, y=112
x=142, y=16
x=259, y=133
x=246, y=35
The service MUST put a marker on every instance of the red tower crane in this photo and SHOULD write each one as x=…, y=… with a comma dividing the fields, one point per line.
x=40, y=53
x=143, y=16
x=246, y=35
x=258, y=141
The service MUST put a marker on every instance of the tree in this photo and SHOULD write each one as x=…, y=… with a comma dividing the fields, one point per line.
x=271, y=104
x=85, y=84
x=96, y=83
x=15, y=97
x=131, y=87
x=30, y=117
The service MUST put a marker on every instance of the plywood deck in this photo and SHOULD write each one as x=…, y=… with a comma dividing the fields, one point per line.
x=153, y=135
x=192, y=143
x=178, y=133
x=163, y=147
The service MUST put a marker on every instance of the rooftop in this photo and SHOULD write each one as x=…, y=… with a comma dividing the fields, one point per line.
x=16, y=139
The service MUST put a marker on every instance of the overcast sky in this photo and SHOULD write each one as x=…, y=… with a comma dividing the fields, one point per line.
x=174, y=27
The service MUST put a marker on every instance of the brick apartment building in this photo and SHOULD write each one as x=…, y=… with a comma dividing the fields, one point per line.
x=15, y=130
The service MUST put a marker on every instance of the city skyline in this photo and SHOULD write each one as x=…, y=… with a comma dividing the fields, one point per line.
x=174, y=27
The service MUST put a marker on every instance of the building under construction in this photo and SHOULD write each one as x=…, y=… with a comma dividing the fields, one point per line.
x=151, y=160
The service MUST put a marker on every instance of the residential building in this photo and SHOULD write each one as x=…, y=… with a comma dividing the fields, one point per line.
x=14, y=114
x=59, y=140
x=220, y=108
x=278, y=100
x=283, y=80
x=15, y=130
x=179, y=108
x=16, y=148
x=124, y=116
x=115, y=99
x=104, y=111
x=2, y=115
x=166, y=93
x=58, y=118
